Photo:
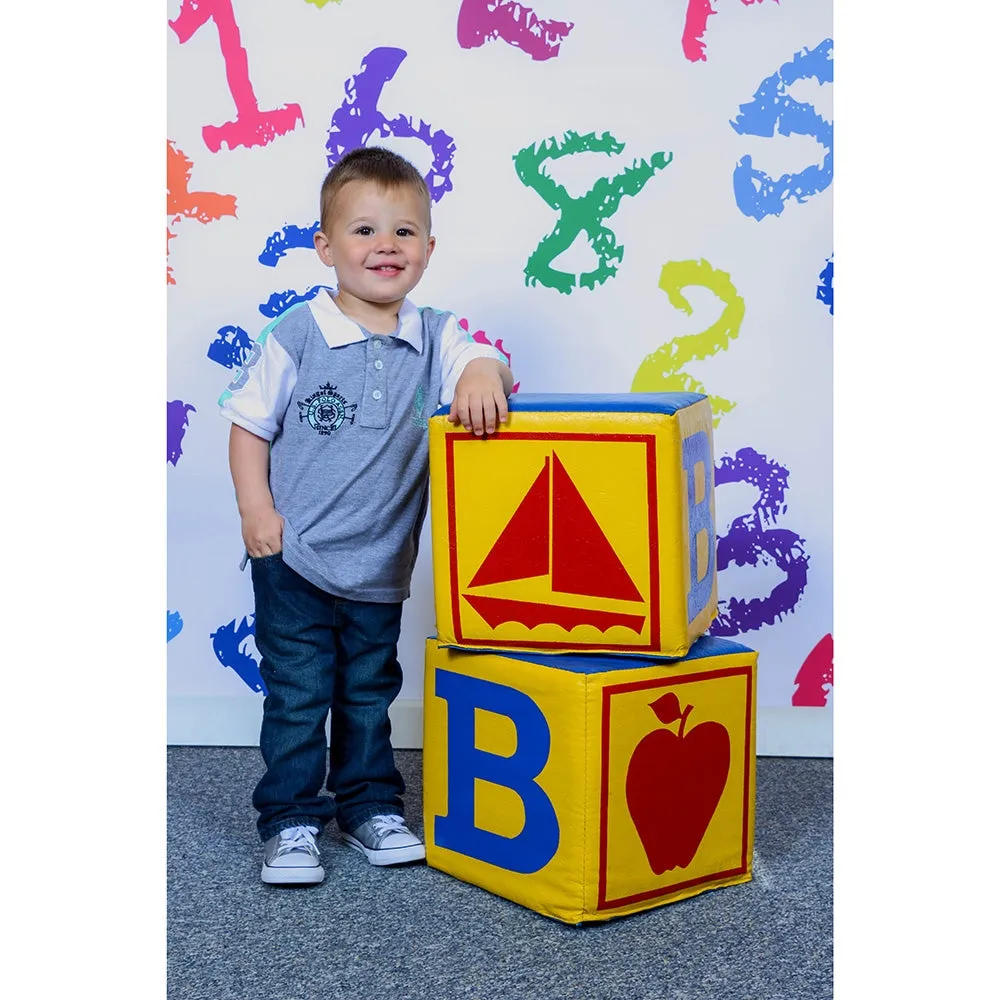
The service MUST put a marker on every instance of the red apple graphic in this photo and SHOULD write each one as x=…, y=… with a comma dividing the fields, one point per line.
x=673, y=785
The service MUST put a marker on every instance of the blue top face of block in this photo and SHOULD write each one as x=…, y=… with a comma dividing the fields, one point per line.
x=667, y=403
x=584, y=663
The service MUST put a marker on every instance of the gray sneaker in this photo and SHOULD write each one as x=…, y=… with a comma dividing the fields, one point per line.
x=385, y=840
x=292, y=858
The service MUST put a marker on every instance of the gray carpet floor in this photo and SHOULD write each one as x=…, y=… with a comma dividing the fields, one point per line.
x=415, y=933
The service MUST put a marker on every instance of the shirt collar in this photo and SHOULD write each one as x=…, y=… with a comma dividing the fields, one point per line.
x=339, y=330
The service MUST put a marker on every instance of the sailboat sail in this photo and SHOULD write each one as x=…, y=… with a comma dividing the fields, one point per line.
x=583, y=561
x=522, y=550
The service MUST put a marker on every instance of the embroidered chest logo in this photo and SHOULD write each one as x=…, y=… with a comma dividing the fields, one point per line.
x=326, y=409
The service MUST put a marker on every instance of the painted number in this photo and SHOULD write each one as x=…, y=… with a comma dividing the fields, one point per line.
x=229, y=643
x=586, y=214
x=182, y=203
x=177, y=422
x=359, y=118
x=751, y=541
x=814, y=680
x=824, y=290
x=662, y=371
x=773, y=110
x=353, y=124
x=252, y=126
x=695, y=23
x=481, y=21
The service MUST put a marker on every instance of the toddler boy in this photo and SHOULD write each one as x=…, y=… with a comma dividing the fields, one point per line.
x=328, y=453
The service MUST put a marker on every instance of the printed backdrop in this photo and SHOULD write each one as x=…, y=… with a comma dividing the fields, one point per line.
x=626, y=196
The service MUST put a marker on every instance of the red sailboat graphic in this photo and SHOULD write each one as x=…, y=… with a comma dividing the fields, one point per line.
x=554, y=533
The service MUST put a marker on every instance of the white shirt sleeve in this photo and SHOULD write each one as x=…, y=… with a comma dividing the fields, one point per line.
x=259, y=393
x=457, y=350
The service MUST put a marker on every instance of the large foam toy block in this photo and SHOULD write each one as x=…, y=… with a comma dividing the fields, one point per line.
x=585, y=523
x=587, y=787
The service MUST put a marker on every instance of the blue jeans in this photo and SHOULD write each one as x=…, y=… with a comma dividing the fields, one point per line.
x=323, y=655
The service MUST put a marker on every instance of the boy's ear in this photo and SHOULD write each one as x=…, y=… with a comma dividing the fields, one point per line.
x=323, y=247
x=431, y=243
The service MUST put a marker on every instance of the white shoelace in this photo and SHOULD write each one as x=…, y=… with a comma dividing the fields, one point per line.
x=297, y=838
x=388, y=824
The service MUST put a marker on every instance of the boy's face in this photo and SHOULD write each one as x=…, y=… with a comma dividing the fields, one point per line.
x=378, y=241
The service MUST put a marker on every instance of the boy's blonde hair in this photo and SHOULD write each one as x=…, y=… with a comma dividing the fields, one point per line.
x=376, y=165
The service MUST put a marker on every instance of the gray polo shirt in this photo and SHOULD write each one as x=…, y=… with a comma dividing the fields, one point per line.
x=346, y=414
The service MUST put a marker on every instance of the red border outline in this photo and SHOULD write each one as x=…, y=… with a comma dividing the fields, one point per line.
x=654, y=546
x=603, y=903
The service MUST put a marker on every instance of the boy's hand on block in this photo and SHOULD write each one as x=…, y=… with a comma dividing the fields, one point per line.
x=480, y=403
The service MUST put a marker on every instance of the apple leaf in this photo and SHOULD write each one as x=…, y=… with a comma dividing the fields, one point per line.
x=667, y=708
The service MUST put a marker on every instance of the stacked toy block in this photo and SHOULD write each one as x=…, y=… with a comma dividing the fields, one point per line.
x=588, y=751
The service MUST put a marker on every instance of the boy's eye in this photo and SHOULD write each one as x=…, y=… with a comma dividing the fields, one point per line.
x=404, y=231
x=364, y=230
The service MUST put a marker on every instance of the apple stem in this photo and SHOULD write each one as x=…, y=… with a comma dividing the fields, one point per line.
x=684, y=715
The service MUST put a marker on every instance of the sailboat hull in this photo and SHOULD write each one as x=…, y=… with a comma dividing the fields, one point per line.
x=496, y=611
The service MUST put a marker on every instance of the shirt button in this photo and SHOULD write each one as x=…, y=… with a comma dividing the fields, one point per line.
x=378, y=345
x=377, y=394
x=378, y=365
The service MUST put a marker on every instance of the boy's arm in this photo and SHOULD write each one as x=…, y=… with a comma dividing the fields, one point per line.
x=255, y=402
x=480, y=402
x=249, y=460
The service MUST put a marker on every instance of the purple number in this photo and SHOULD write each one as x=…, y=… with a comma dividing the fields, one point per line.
x=358, y=119
x=749, y=542
x=481, y=21
x=177, y=421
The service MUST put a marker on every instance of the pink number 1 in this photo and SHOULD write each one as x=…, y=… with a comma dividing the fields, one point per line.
x=252, y=126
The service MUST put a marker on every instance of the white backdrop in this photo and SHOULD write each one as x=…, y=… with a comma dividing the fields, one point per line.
x=757, y=330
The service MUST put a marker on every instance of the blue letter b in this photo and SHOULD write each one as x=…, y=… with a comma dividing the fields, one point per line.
x=536, y=844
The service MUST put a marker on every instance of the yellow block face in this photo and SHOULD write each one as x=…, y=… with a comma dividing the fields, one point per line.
x=580, y=530
x=587, y=787
x=686, y=814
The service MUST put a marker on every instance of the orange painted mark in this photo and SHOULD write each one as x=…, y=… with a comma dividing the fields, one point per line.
x=182, y=203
